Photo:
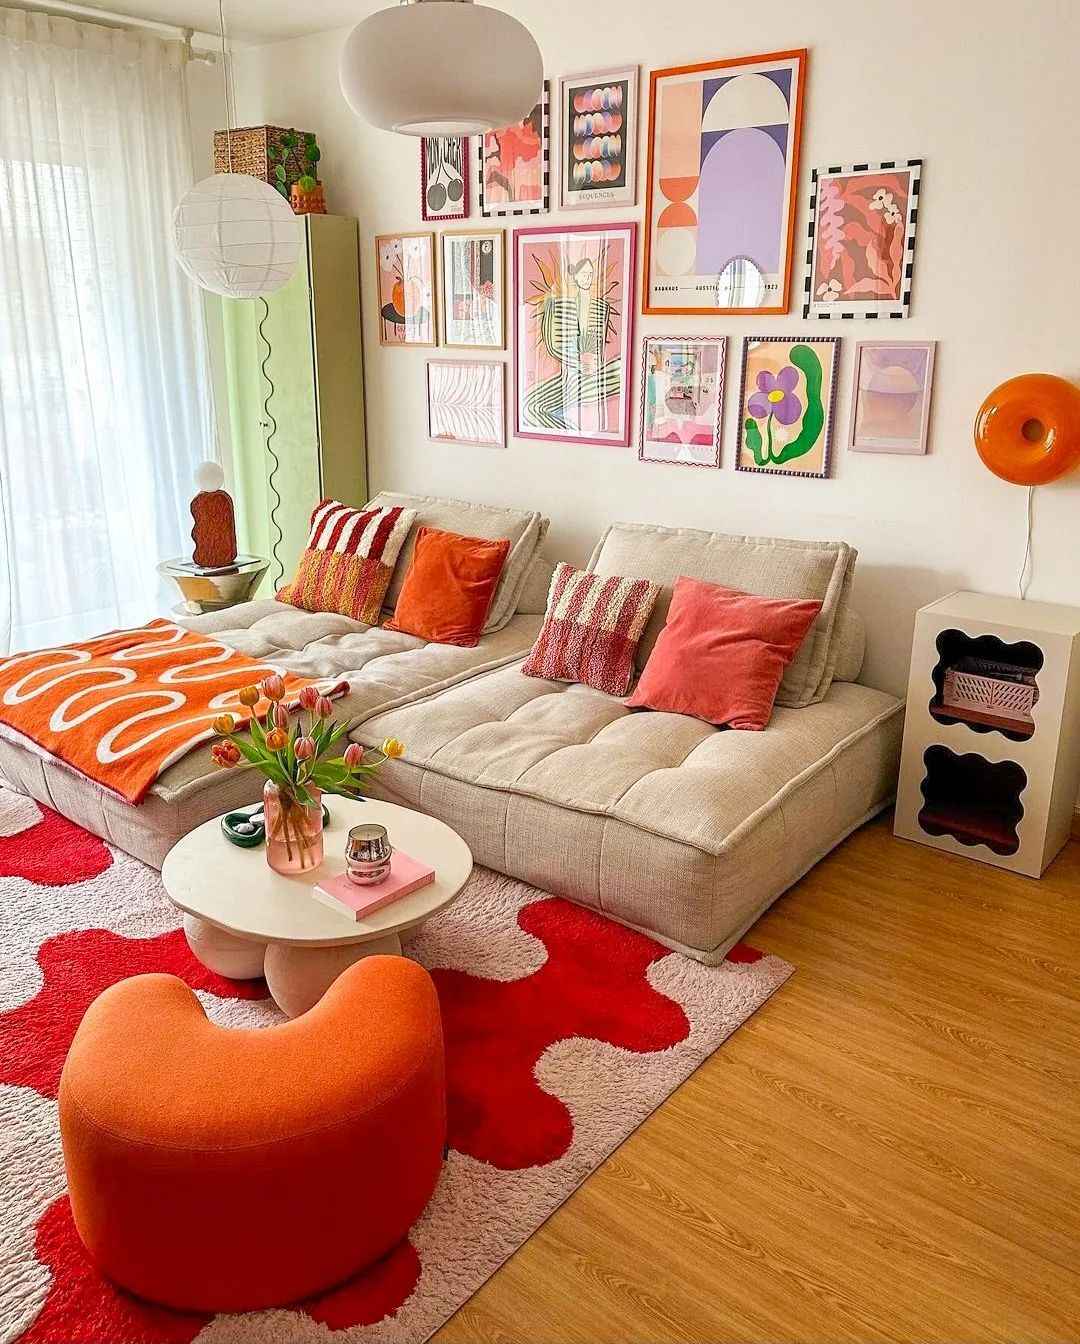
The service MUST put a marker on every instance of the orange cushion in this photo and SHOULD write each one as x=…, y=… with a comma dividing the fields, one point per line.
x=448, y=590
x=217, y=1169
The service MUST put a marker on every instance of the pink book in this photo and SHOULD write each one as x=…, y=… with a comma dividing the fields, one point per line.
x=406, y=874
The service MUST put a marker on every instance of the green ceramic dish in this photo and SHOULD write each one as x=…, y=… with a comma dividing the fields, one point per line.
x=247, y=829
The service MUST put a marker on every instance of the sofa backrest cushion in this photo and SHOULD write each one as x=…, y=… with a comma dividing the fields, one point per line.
x=532, y=600
x=769, y=566
x=849, y=639
x=523, y=529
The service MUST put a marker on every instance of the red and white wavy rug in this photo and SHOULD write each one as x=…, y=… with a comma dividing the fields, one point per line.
x=563, y=1030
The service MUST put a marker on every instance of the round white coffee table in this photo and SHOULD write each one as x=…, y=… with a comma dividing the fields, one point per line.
x=243, y=920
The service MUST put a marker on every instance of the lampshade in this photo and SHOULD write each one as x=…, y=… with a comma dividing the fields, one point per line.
x=441, y=67
x=236, y=236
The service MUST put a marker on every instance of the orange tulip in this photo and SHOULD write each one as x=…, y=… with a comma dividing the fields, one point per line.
x=249, y=696
x=276, y=739
x=225, y=754
x=224, y=724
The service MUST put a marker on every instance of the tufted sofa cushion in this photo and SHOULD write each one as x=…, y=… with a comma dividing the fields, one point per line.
x=663, y=821
x=768, y=566
x=524, y=530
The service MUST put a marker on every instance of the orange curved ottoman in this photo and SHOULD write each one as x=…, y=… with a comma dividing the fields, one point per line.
x=227, y=1170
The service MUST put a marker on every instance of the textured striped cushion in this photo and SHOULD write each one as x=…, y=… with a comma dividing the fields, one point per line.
x=592, y=629
x=349, y=560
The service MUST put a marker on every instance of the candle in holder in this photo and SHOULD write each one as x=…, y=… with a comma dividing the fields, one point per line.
x=367, y=855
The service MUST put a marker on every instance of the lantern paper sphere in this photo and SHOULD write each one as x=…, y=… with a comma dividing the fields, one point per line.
x=441, y=67
x=236, y=236
x=1028, y=429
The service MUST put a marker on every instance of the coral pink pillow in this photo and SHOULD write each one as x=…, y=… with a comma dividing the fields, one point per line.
x=722, y=654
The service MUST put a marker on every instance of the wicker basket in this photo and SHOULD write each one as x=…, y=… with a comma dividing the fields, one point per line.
x=1001, y=689
x=250, y=145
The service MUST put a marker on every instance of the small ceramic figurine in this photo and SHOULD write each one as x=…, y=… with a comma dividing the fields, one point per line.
x=214, y=533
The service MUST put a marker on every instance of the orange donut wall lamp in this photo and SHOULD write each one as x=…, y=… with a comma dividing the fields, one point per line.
x=1028, y=429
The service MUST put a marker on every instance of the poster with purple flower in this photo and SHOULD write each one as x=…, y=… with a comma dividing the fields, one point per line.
x=786, y=401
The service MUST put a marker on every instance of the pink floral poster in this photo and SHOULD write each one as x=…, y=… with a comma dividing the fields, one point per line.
x=862, y=240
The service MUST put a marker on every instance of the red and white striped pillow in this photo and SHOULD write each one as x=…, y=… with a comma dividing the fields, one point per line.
x=592, y=628
x=349, y=560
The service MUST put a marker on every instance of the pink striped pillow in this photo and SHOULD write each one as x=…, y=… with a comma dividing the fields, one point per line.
x=349, y=560
x=591, y=631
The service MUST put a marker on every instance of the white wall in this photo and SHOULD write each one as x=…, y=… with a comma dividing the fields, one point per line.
x=985, y=93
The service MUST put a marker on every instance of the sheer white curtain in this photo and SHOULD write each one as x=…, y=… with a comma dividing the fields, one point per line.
x=105, y=401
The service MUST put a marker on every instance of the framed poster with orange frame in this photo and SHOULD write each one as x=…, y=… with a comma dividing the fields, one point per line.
x=722, y=185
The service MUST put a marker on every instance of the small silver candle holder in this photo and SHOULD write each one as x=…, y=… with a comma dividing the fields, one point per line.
x=367, y=855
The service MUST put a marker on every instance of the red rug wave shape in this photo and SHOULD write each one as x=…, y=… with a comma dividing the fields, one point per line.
x=53, y=853
x=36, y=1036
x=593, y=984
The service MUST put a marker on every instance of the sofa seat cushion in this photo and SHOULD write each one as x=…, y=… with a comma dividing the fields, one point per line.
x=579, y=749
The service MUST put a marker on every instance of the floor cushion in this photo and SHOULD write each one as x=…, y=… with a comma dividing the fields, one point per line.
x=218, y=1169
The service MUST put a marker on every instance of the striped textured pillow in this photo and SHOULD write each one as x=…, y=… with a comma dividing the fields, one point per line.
x=349, y=560
x=591, y=629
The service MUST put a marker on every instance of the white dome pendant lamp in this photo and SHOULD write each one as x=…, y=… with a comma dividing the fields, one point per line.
x=441, y=67
x=234, y=234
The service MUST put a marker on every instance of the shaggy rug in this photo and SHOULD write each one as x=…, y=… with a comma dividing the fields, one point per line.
x=563, y=1032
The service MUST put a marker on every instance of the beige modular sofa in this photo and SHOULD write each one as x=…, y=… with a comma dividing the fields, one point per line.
x=661, y=821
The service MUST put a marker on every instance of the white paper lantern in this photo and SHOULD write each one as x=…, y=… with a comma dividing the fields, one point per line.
x=236, y=236
x=441, y=67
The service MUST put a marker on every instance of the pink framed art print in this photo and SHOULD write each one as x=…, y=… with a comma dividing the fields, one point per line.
x=573, y=332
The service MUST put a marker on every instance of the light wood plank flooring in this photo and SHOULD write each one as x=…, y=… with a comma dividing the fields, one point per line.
x=888, y=1150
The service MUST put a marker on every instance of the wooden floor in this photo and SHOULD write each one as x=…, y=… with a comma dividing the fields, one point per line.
x=888, y=1150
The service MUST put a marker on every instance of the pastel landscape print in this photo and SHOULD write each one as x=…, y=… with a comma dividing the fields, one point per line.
x=891, y=407
x=787, y=405
x=724, y=154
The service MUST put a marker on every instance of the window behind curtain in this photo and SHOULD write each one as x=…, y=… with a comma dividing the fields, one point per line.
x=104, y=384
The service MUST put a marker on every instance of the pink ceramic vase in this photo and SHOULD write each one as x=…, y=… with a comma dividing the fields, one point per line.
x=294, y=830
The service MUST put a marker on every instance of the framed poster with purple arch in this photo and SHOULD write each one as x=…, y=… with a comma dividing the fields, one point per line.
x=722, y=185
x=573, y=332
x=682, y=392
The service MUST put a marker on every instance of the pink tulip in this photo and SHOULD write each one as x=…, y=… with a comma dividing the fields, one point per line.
x=309, y=698
x=354, y=754
x=273, y=687
x=305, y=748
x=281, y=715
x=323, y=707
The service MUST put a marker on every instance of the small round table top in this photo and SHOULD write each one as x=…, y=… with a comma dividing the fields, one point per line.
x=236, y=890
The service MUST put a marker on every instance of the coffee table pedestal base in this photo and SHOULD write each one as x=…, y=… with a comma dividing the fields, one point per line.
x=297, y=977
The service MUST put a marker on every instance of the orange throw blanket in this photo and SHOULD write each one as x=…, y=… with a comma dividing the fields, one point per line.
x=122, y=708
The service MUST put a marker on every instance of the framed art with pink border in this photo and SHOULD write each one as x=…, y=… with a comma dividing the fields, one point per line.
x=405, y=275
x=682, y=390
x=444, y=177
x=787, y=402
x=890, y=396
x=573, y=332
x=467, y=401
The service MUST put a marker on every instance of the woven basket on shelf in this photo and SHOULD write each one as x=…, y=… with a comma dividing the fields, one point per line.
x=250, y=146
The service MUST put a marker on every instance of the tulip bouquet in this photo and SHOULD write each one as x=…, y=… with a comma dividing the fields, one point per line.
x=291, y=746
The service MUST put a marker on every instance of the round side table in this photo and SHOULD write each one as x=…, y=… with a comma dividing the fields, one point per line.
x=242, y=919
x=214, y=589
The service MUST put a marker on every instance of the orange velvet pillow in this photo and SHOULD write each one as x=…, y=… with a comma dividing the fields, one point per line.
x=447, y=592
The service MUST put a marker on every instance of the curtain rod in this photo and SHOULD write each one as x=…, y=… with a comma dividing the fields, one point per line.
x=108, y=16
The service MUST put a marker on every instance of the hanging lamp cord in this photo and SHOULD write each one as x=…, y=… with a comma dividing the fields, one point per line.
x=225, y=80
x=1026, y=570
x=270, y=425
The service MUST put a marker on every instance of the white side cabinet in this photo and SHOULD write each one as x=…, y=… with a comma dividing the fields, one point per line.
x=991, y=761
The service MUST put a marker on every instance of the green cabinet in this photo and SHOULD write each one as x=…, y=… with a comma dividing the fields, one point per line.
x=313, y=375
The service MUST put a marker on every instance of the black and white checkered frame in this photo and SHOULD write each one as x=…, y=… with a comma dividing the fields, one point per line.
x=489, y=211
x=841, y=308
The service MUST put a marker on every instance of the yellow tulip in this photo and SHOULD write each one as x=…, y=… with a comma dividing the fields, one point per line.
x=393, y=748
x=224, y=724
x=249, y=696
